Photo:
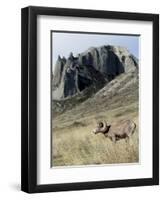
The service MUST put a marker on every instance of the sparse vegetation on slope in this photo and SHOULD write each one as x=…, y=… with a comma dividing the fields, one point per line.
x=73, y=141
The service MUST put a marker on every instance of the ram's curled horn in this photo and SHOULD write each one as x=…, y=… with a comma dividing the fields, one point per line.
x=104, y=127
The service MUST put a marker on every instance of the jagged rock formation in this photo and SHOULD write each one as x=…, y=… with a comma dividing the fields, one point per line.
x=90, y=69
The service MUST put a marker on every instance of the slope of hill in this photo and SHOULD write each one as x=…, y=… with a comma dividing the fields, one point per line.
x=99, y=84
x=73, y=140
x=120, y=92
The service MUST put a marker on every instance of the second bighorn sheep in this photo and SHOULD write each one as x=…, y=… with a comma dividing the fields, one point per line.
x=119, y=130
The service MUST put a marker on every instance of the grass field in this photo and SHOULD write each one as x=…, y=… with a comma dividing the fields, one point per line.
x=77, y=145
x=73, y=142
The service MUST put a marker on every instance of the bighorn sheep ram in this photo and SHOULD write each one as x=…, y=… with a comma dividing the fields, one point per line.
x=119, y=130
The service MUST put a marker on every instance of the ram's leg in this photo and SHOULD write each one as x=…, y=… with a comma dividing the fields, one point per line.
x=127, y=139
x=114, y=139
x=106, y=135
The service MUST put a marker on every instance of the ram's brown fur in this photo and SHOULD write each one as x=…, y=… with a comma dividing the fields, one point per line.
x=116, y=131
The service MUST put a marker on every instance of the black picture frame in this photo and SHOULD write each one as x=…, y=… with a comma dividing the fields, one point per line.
x=29, y=99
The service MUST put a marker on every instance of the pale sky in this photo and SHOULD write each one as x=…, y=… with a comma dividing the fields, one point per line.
x=64, y=43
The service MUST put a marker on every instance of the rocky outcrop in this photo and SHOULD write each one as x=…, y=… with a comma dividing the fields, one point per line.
x=92, y=68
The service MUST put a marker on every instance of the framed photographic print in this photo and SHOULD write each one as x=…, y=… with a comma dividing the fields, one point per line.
x=90, y=99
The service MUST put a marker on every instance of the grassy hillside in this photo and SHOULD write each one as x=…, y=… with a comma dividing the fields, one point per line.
x=73, y=142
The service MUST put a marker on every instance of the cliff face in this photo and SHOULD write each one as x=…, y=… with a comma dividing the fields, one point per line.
x=90, y=69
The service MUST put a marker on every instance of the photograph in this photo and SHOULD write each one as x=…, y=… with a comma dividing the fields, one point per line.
x=90, y=99
x=94, y=99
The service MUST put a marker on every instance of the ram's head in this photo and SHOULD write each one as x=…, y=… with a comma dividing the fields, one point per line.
x=101, y=127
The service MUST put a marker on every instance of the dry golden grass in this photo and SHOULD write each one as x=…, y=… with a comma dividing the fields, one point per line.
x=73, y=142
